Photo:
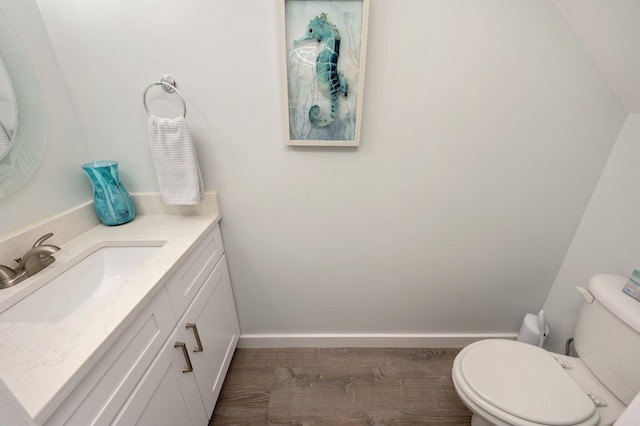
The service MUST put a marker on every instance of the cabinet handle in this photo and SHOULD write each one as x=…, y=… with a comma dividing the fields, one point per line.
x=185, y=352
x=198, y=348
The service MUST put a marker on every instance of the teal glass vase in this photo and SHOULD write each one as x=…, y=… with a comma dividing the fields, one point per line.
x=111, y=200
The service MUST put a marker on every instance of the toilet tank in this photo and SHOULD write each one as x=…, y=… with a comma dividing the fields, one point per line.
x=607, y=336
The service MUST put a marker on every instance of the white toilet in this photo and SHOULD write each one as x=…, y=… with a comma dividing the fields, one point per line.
x=504, y=382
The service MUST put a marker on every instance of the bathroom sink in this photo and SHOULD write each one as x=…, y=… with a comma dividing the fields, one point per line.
x=76, y=291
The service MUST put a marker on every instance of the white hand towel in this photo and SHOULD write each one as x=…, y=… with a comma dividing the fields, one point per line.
x=176, y=164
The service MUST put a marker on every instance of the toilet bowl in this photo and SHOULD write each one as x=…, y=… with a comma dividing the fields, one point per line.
x=504, y=382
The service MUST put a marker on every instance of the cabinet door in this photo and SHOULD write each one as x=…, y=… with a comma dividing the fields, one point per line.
x=104, y=390
x=166, y=395
x=212, y=316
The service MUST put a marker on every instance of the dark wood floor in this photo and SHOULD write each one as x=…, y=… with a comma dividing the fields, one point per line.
x=340, y=387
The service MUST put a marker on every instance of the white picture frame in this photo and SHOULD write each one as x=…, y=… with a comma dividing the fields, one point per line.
x=324, y=45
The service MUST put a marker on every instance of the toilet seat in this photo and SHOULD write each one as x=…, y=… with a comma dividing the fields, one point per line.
x=521, y=385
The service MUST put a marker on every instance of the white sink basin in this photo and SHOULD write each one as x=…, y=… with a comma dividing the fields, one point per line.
x=75, y=292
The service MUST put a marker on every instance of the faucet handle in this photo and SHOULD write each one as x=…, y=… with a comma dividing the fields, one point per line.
x=45, y=257
x=38, y=258
x=43, y=239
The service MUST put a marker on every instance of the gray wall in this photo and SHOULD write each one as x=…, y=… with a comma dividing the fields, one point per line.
x=607, y=239
x=486, y=126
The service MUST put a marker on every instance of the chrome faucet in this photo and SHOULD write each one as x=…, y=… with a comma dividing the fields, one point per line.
x=34, y=260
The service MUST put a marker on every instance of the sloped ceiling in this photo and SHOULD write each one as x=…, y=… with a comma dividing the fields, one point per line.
x=611, y=31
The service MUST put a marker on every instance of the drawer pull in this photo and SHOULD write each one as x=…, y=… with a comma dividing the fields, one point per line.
x=185, y=352
x=198, y=348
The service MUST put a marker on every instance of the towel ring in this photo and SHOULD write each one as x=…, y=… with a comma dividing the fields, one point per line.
x=168, y=84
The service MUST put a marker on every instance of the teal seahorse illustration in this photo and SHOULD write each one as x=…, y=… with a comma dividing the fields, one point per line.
x=330, y=81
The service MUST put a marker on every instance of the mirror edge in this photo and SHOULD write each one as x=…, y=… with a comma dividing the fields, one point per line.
x=30, y=140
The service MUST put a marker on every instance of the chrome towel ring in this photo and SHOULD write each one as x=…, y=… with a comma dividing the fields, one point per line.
x=168, y=84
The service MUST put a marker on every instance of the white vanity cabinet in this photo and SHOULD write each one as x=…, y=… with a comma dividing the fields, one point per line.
x=140, y=381
x=166, y=395
x=211, y=328
x=103, y=391
x=187, y=376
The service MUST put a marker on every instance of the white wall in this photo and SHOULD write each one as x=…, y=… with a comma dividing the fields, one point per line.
x=610, y=30
x=486, y=126
x=58, y=183
x=607, y=238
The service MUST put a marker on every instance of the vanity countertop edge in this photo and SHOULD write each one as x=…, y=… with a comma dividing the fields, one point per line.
x=41, y=363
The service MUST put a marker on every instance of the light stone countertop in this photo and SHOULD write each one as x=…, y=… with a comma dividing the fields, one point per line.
x=41, y=363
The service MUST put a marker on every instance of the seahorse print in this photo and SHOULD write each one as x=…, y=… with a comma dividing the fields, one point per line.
x=330, y=81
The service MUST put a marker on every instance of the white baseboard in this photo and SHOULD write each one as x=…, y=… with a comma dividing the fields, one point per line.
x=365, y=340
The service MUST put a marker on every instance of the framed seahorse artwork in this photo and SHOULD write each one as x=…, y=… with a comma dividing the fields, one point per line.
x=325, y=45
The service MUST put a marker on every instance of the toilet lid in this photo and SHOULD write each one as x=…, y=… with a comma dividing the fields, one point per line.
x=524, y=381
